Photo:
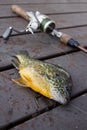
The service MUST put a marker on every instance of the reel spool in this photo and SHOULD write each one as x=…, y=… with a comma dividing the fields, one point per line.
x=46, y=24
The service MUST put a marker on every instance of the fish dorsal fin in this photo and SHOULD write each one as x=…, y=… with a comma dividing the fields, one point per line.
x=20, y=82
x=18, y=58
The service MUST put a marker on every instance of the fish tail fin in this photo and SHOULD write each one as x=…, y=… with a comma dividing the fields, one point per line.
x=18, y=57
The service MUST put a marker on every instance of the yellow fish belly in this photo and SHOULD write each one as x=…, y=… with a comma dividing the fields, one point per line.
x=35, y=81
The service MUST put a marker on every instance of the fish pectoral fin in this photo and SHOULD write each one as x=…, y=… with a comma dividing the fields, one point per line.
x=20, y=82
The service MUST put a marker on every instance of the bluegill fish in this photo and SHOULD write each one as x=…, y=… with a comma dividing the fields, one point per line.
x=47, y=79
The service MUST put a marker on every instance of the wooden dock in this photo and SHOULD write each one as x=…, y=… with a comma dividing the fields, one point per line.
x=24, y=109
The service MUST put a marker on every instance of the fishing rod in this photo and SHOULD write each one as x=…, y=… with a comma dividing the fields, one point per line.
x=43, y=22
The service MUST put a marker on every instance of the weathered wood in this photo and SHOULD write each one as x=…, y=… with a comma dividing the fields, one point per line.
x=62, y=21
x=21, y=104
x=41, y=46
x=16, y=102
x=5, y=10
x=71, y=117
x=40, y=1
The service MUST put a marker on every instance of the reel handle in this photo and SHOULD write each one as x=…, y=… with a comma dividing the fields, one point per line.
x=21, y=12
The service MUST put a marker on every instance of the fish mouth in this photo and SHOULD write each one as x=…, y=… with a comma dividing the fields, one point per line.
x=65, y=100
x=62, y=100
x=60, y=97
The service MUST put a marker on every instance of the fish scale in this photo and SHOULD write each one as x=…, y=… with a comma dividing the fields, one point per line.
x=47, y=79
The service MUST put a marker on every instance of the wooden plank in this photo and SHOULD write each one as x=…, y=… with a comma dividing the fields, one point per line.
x=17, y=103
x=41, y=46
x=5, y=10
x=71, y=117
x=39, y=1
x=62, y=21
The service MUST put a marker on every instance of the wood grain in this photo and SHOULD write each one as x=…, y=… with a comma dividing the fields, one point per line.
x=22, y=108
x=74, y=116
x=40, y=1
x=45, y=8
x=42, y=45
x=17, y=103
x=62, y=21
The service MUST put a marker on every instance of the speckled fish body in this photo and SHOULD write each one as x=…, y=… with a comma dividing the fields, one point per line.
x=47, y=79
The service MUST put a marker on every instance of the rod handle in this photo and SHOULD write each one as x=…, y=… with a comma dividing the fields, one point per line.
x=21, y=12
x=65, y=38
x=68, y=40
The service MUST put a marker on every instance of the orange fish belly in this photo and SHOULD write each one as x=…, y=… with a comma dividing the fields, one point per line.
x=35, y=82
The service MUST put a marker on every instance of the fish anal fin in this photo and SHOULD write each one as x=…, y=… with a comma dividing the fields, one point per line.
x=20, y=82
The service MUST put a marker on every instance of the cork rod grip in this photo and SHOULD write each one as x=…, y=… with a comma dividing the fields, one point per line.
x=65, y=38
x=18, y=10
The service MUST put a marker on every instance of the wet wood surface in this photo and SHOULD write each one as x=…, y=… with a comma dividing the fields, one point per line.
x=22, y=108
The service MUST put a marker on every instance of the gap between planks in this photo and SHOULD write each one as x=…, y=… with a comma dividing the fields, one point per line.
x=61, y=13
x=39, y=31
x=29, y=117
x=25, y=3
x=10, y=66
x=76, y=12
